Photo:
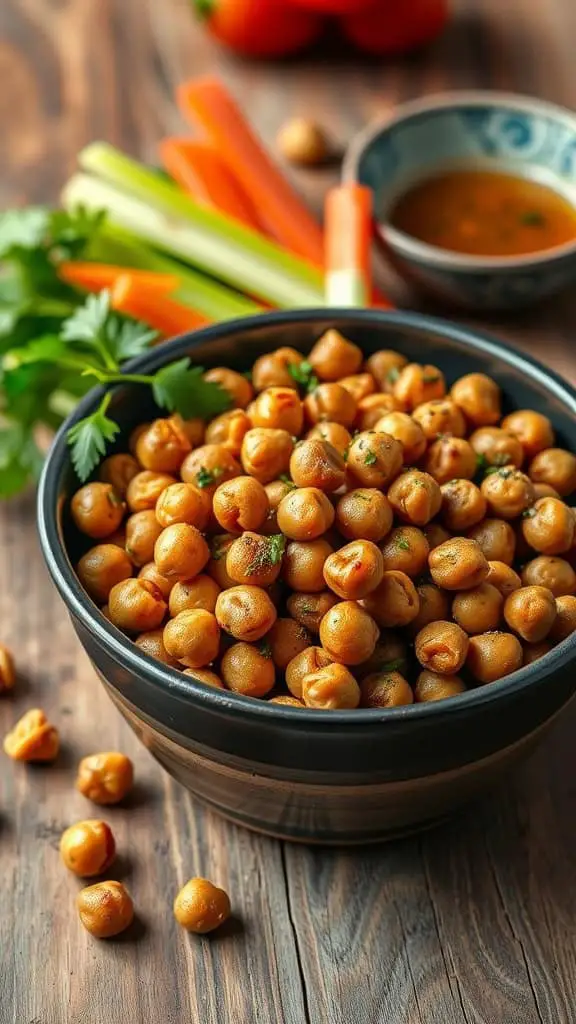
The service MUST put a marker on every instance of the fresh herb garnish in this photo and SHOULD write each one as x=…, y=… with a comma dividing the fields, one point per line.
x=393, y=666
x=482, y=463
x=219, y=547
x=430, y=378
x=268, y=551
x=286, y=480
x=402, y=543
x=370, y=458
x=392, y=375
x=207, y=477
x=303, y=373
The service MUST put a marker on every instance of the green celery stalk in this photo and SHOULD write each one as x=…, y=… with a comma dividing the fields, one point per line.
x=207, y=238
x=214, y=300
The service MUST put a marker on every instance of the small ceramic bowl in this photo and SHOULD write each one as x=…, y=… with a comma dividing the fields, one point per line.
x=296, y=773
x=490, y=130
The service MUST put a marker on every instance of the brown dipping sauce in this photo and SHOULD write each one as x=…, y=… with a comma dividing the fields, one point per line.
x=485, y=213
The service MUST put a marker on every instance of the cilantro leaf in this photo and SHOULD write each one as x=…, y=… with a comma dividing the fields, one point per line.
x=88, y=323
x=179, y=387
x=303, y=374
x=23, y=229
x=130, y=338
x=87, y=439
x=370, y=458
x=207, y=477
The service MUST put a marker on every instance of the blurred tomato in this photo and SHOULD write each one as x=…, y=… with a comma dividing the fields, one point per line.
x=259, y=28
x=394, y=26
x=336, y=6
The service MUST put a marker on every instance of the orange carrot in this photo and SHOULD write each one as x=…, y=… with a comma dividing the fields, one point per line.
x=93, y=277
x=348, y=215
x=163, y=314
x=200, y=170
x=207, y=103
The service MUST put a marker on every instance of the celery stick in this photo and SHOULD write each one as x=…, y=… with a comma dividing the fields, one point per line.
x=206, y=237
x=214, y=300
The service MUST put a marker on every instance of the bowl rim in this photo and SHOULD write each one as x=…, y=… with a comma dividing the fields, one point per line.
x=447, y=259
x=169, y=680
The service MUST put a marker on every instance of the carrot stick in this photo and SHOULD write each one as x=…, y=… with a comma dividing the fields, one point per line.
x=207, y=103
x=200, y=170
x=163, y=314
x=348, y=236
x=93, y=277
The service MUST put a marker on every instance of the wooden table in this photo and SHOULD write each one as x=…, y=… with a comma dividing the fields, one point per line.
x=472, y=924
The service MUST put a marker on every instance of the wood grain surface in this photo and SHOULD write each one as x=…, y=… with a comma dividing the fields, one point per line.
x=472, y=924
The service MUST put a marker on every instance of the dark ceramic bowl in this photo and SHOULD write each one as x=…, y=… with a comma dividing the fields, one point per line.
x=335, y=777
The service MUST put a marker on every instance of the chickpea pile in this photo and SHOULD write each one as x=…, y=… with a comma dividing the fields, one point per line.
x=351, y=533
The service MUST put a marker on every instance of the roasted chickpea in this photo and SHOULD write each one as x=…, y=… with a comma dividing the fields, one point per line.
x=385, y=690
x=458, y=564
x=364, y=514
x=247, y=670
x=496, y=538
x=101, y=568
x=409, y=433
x=385, y=366
x=415, y=497
x=187, y=595
x=348, y=633
x=417, y=384
x=32, y=738
x=548, y=526
x=492, y=656
x=503, y=578
x=441, y=416
x=330, y=402
x=275, y=491
x=206, y=676
x=200, y=907
x=333, y=356
x=436, y=534
x=317, y=463
x=7, y=669
x=374, y=459
x=152, y=644
x=355, y=570
x=162, y=447
x=533, y=430
x=255, y=559
x=373, y=408
x=334, y=434
x=105, y=909
x=241, y=504
x=434, y=606
x=290, y=702
x=136, y=606
x=118, y=471
x=195, y=430
x=236, y=384
x=530, y=612
x=303, y=567
x=181, y=552
x=208, y=466
x=442, y=647
x=183, y=503
x=331, y=688
x=544, y=491
x=142, y=532
x=389, y=655
x=88, y=848
x=508, y=492
x=565, y=622
x=433, y=686
x=150, y=572
x=552, y=572
x=97, y=510
x=287, y=638
x=463, y=505
x=266, y=453
x=273, y=369
x=247, y=613
x=118, y=538
x=360, y=385
x=496, y=447
x=479, y=609
x=479, y=398
x=406, y=549
x=105, y=778
x=229, y=430
x=193, y=637
x=450, y=458
x=305, y=513
x=145, y=488
x=278, y=409
x=555, y=467
x=216, y=567
x=394, y=602
x=533, y=652
x=303, y=664
x=134, y=435
x=310, y=608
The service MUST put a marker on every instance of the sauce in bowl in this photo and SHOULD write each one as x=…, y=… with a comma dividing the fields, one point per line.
x=485, y=213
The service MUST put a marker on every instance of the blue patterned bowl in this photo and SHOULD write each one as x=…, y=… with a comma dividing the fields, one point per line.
x=492, y=130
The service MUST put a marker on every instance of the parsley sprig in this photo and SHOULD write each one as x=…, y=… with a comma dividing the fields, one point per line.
x=303, y=374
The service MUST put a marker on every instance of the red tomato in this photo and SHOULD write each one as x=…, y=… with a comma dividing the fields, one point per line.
x=259, y=28
x=335, y=6
x=393, y=26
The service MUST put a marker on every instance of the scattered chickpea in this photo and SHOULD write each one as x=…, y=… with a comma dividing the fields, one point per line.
x=33, y=738
x=105, y=778
x=105, y=909
x=201, y=907
x=7, y=669
x=88, y=848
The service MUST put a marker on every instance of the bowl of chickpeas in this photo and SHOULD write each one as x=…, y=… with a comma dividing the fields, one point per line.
x=344, y=607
